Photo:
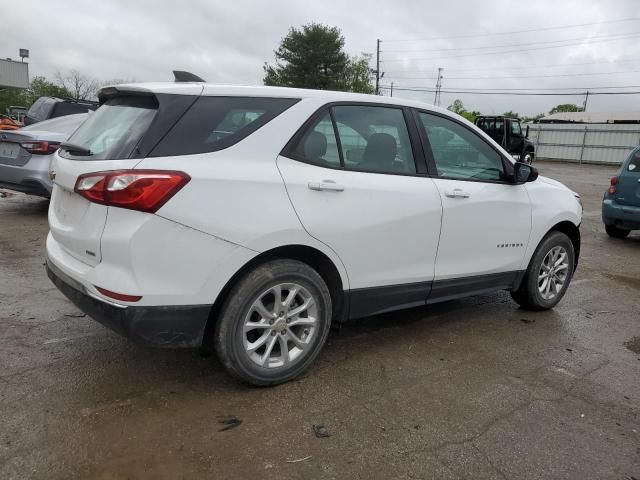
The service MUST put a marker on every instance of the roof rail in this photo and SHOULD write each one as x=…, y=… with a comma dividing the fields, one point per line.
x=182, y=76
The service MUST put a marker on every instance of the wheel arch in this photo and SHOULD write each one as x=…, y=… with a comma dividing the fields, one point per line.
x=313, y=257
x=571, y=231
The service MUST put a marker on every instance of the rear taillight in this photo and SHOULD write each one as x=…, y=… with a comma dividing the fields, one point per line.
x=612, y=189
x=141, y=190
x=39, y=147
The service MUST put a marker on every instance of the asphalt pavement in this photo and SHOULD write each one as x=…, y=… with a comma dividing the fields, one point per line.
x=468, y=389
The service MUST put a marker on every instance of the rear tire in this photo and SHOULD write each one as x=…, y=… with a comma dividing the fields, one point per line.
x=274, y=323
x=548, y=275
x=616, y=232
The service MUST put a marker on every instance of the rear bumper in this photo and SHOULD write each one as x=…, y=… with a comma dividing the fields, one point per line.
x=32, y=178
x=158, y=326
x=622, y=216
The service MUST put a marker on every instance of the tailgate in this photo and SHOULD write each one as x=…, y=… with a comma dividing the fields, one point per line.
x=75, y=223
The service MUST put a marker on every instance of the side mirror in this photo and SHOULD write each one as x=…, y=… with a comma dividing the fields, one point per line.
x=527, y=132
x=524, y=173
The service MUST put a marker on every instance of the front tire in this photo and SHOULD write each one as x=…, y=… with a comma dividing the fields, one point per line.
x=548, y=275
x=274, y=323
x=528, y=158
x=616, y=232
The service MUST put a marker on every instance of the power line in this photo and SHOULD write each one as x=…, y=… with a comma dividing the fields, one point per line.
x=510, y=51
x=580, y=39
x=545, y=29
x=532, y=67
x=476, y=92
x=581, y=89
x=522, y=76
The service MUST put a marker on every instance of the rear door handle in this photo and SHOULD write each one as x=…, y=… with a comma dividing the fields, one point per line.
x=457, y=193
x=328, y=185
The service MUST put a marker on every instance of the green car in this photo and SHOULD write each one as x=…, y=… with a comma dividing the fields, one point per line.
x=621, y=202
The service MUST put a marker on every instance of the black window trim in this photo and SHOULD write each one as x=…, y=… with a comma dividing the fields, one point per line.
x=433, y=171
x=227, y=142
x=417, y=148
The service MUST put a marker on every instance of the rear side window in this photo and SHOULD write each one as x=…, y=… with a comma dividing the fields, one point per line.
x=634, y=161
x=215, y=123
x=114, y=130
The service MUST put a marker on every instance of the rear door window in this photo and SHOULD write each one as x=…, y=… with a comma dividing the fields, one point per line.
x=318, y=145
x=374, y=139
x=215, y=123
x=634, y=162
x=114, y=130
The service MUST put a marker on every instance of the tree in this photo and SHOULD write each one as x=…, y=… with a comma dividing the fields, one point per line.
x=313, y=57
x=565, y=107
x=511, y=114
x=82, y=87
x=533, y=119
x=357, y=75
x=458, y=107
x=39, y=87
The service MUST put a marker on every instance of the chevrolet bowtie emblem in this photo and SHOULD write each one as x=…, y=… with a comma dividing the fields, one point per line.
x=52, y=175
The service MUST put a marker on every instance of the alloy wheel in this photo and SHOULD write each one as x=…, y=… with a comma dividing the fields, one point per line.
x=280, y=326
x=553, y=272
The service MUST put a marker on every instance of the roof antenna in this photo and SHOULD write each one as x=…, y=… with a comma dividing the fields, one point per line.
x=181, y=76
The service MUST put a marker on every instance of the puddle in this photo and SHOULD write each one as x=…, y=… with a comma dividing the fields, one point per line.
x=633, y=345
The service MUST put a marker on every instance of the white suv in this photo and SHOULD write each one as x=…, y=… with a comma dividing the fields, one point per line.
x=249, y=219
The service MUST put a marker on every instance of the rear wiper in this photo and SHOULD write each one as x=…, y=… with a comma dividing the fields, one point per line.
x=75, y=149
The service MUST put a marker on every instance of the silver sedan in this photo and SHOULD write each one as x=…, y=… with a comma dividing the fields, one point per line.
x=25, y=154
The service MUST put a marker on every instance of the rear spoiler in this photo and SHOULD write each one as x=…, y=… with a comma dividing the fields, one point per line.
x=110, y=91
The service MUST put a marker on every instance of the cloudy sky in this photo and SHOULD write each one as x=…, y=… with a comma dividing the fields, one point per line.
x=228, y=42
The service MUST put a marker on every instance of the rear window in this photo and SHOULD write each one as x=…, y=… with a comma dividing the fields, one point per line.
x=114, y=130
x=40, y=109
x=215, y=123
x=634, y=161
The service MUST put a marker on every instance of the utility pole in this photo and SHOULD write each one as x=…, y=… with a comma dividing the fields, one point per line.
x=378, y=66
x=586, y=99
x=392, y=89
x=436, y=99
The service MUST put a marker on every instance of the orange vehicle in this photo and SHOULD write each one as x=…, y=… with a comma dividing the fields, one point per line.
x=8, y=123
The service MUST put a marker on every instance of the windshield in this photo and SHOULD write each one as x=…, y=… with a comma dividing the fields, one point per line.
x=114, y=130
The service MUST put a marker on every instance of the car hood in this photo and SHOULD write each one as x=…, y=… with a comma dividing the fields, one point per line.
x=555, y=184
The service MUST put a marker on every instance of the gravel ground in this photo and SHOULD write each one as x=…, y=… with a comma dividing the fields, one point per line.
x=469, y=389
